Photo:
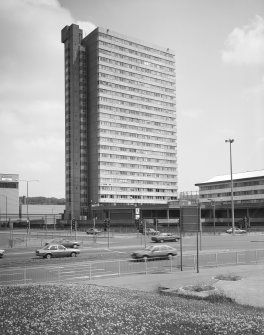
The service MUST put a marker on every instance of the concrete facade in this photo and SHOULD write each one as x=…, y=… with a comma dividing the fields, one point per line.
x=248, y=187
x=120, y=120
x=9, y=196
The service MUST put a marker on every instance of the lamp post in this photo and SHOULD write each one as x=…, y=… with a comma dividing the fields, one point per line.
x=230, y=141
x=28, y=181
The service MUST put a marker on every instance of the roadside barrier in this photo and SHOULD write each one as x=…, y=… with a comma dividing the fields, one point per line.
x=85, y=271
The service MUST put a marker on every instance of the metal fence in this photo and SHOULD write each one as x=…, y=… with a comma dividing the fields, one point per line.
x=85, y=271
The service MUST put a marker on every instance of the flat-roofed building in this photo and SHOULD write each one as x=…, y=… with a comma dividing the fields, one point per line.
x=248, y=197
x=120, y=121
x=248, y=187
x=9, y=196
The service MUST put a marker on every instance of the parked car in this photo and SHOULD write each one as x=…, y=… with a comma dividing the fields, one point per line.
x=65, y=243
x=165, y=237
x=93, y=231
x=2, y=252
x=161, y=251
x=56, y=250
x=151, y=231
x=237, y=231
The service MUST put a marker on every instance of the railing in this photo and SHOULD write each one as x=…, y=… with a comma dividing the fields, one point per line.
x=84, y=271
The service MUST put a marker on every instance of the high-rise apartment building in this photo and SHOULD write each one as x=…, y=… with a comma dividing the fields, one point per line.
x=120, y=121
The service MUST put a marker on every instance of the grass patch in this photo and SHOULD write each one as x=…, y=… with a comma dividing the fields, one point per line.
x=94, y=310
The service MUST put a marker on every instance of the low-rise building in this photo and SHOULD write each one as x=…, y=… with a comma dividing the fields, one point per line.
x=9, y=197
x=248, y=198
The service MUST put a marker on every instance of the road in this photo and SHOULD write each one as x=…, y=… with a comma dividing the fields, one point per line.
x=101, y=257
x=121, y=245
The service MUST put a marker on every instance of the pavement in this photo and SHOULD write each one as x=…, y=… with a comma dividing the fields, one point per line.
x=247, y=291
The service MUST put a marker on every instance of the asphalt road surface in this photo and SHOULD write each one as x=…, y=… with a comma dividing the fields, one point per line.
x=120, y=246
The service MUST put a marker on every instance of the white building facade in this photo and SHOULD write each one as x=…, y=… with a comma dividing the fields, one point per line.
x=248, y=187
x=9, y=196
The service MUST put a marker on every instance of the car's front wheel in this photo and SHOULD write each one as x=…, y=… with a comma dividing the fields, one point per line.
x=170, y=256
x=74, y=246
x=161, y=241
x=48, y=256
x=145, y=258
x=73, y=254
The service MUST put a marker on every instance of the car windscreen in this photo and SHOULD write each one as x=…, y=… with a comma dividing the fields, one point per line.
x=46, y=247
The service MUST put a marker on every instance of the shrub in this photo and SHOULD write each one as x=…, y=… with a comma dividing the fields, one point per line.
x=231, y=277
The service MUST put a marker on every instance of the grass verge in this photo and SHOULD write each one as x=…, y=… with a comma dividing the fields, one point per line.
x=94, y=310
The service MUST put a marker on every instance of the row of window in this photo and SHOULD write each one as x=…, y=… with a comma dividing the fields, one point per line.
x=140, y=114
x=136, y=151
x=134, y=60
x=110, y=132
x=136, y=83
x=134, y=189
x=164, y=168
x=106, y=116
x=137, y=128
x=136, y=143
x=235, y=184
x=136, y=98
x=8, y=185
x=136, y=45
x=142, y=77
x=228, y=194
x=136, y=68
x=135, y=105
x=154, y=175
x=136, y=158
x=112, y=197
x=136, y=90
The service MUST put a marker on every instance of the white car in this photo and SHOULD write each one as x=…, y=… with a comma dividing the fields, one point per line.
x=2, y=252
x=56, y=250
x=237, y=231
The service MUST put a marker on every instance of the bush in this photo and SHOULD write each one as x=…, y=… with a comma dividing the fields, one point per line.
x=231, y=277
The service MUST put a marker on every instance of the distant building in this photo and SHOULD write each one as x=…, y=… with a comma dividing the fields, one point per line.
x=48, y=213
x=120, y=121
x=9, y=196
x=248, y=196
x=248, y=187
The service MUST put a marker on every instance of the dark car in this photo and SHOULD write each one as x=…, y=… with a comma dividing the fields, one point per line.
x=165, y=237
x=93, y=231
x=56, y=250
x=65, y=243
x=160, y=251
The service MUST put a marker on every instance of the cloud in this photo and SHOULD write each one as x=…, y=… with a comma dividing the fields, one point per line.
x=246, y=45
x=32, y=92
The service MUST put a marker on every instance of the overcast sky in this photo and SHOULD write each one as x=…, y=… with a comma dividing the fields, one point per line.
x=219, y=47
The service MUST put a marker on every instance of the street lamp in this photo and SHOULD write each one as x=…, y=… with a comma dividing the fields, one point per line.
x=230, y=141
x=28, y=181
